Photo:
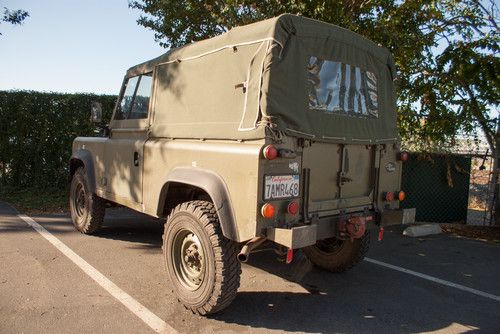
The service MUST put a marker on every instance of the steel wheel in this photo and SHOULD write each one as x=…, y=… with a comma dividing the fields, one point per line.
x=189, y=259
x=79, y=200
x=201, y=263
x=87, y=210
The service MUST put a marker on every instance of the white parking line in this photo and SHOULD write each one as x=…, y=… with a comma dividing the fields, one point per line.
x=149, y=318
x=435, y=279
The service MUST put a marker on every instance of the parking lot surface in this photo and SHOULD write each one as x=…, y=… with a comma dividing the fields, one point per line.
x=42, y=290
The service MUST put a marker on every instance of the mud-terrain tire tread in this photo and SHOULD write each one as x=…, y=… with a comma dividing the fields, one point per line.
x=342, y=261
x=225, y=251
x=96, y=207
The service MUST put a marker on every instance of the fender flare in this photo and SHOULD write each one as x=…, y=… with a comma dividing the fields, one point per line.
x=85, y=157
x=214, y=186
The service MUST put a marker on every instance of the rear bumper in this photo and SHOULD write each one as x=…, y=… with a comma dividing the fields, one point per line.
x=352, y=226
x=397, y=217
x=307, y=235
x=295, y=237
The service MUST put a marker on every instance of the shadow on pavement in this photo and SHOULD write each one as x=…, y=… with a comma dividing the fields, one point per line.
x=143, y=231
x=367, y=299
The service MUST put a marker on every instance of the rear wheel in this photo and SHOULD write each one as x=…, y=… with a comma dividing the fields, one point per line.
x=87, y=209
x=202, y=264
x=338, y=255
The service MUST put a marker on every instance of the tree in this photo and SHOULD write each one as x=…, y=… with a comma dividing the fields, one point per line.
x=13, y=16
x=458, y=90
x=445, y=52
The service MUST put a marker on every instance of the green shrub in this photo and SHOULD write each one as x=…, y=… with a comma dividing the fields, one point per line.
x=36, y=133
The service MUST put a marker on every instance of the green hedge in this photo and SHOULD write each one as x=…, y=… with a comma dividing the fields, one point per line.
x=36, y=132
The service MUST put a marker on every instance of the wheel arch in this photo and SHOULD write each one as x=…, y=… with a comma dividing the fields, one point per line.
x=83, y=158
x=209, y=182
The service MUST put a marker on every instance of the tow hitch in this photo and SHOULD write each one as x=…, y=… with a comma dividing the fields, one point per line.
x=354, y=227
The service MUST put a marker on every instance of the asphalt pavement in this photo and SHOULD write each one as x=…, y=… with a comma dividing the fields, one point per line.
x=42, y=290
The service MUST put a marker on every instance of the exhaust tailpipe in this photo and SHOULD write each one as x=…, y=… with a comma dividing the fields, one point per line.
x=248, y=247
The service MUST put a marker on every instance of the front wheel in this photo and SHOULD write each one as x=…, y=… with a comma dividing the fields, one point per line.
x=337, y=255
x=202, y=264
x=87, y=209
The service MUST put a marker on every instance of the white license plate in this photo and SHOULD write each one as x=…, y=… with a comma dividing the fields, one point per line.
x=281, y=186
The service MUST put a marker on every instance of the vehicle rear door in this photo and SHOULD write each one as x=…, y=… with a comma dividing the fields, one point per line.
x=341, y=169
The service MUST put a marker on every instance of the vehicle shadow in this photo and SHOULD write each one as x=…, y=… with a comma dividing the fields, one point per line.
x=367, y=299
x=142, y=231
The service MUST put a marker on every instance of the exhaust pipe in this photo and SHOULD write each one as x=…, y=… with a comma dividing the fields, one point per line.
x=248, y=247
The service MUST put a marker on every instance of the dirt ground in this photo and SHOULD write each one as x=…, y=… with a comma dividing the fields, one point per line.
x=482, y=233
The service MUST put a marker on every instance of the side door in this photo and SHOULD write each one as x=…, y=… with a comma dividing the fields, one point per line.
x=124, y=150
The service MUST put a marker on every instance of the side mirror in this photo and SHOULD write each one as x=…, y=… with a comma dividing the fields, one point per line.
x=96, y=118
x=96, y=112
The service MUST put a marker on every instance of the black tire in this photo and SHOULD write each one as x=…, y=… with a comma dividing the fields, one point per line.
x=337, y=255
x=202, y=264
x=87, y=209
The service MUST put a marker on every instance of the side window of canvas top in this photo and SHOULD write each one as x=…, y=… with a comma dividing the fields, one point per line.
x=134, y=103
x=335, y=87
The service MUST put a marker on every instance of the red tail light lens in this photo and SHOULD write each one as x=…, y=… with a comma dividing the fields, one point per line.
x=403, y=156
x=293, y=208
x=389, y=196
x=267, y=210
x=270, y=152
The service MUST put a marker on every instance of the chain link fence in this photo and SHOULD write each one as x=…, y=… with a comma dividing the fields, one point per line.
x=480, y=195
x=437, y=185
x=448, y=188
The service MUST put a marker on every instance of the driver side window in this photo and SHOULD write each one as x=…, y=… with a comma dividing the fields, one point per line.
x=134, y=103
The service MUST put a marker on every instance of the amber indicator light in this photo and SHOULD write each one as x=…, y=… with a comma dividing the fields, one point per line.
x=267, y=210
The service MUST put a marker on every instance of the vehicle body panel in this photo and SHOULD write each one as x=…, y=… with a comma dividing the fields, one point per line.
x=236, y=163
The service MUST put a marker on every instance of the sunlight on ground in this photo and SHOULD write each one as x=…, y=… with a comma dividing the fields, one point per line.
x=454, y=328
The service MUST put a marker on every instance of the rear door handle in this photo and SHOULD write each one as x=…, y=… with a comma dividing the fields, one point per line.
x=136, y=158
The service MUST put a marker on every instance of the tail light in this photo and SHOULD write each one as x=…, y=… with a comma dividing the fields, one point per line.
x=401, y=195
x=270, y=152
x=389, y=196
x=403, y=156
x=267, y=210
x=293, y=208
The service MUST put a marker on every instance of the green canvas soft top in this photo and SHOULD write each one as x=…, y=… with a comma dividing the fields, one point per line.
x=235, y=85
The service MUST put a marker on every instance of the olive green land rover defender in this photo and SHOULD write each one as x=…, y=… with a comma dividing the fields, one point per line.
x=281, y=131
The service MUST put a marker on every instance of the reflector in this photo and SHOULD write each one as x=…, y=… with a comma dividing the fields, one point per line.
x=293, y=208
x=403, y=156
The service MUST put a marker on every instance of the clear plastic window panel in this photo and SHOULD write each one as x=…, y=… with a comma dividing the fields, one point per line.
x=126, y=102
x=141, y=100
x=335, y=87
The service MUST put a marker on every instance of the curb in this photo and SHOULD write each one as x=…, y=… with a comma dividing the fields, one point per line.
x=422, y=230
